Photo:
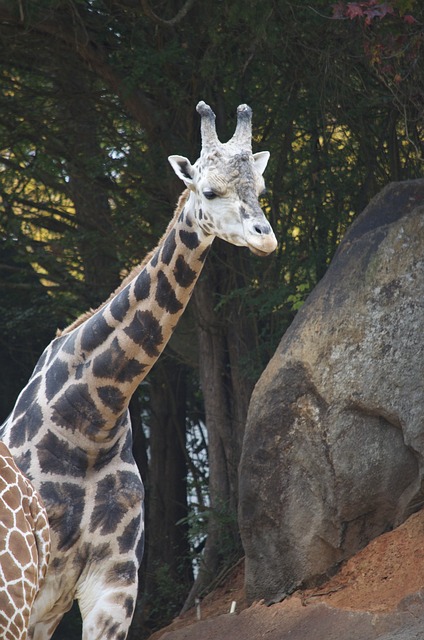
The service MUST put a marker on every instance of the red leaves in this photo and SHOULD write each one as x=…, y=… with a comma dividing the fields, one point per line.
x=392, y=38
x=409, y=19
x=368, y=10
x=354, y=10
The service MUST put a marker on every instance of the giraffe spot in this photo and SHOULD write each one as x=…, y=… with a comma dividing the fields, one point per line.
x=27, y=397
x=99, y=552
x=142, y=285
x=169, y=247
x=112, y=398
x=53, y=348
x=26, y=427
x=17, y=540
x=56, y=376
x=80, y=369
x=116, y=494
x=69, y=343
x=75, y=410
x=117, y=427
x=93, y=554
x=130, y=535
x=95, y=332
x=165, y=295
x=104, y=456
x=114, y=363
x=111, y=632
x=189, y=238
x=145, y=331
x=243, y=212
x=64, y=503
x=58, y=563
x=126, y=453
x=155, y=259
x=24, y=462
x=56, y=456
x=200, y=213
x=184, y=275
x=129, y=606
x=107, y=628
x=122, y=572
x=139, y=550
x=119, y=305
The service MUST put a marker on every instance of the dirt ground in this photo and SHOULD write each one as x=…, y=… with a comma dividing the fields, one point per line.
x=376, y=581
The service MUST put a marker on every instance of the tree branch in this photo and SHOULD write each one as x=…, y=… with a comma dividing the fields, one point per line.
x=72, y=32
x=167, y=23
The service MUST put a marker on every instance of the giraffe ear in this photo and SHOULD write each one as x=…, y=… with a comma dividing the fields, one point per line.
x=183, y=169
x=261, y=160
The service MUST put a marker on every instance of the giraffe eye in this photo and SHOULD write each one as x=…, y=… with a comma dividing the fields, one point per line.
x=209, y=194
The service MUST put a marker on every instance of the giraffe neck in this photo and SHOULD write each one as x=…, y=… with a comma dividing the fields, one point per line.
x=105, y=358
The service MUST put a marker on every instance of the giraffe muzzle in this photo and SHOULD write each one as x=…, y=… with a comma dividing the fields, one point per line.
x=261, y=239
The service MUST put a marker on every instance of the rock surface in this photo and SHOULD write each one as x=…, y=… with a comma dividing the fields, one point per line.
x=334, y=444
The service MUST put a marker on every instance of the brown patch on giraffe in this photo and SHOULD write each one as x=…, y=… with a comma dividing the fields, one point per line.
x=145, y=330
x=24, y=547
x=190, y=239
x=169, y=247
x=76, y=410
x=165, y=295
x=122, y=573
x=55, y=455
x=112, y=398
x=184, y=275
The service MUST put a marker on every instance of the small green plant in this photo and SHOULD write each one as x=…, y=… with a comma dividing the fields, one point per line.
x=297, y=299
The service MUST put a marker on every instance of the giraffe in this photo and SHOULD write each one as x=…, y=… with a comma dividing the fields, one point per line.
x=70, y=429
x=24, y=548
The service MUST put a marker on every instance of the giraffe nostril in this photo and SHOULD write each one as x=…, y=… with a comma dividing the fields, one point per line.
x=258, y=229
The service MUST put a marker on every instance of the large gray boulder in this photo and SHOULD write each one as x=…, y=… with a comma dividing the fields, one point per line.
x=334, y=443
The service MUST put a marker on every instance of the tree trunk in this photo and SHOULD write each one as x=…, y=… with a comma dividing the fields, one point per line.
x=166, y=572
x=87, y=180
x=223, y=350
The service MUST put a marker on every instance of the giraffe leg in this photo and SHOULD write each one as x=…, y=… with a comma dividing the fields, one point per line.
x=107, y=608
x=110, y=618
x=45, y=625
x=44, y=630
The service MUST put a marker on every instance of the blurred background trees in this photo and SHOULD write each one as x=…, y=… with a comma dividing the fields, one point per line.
x=95, y=94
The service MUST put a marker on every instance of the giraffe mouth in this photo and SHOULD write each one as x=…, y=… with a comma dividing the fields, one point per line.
x=259, y=252
x=263, y=245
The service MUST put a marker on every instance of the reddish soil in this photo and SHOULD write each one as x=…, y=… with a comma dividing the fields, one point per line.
x=376, y=580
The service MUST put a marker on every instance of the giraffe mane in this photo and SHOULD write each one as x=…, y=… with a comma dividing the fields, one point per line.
x=132, y=274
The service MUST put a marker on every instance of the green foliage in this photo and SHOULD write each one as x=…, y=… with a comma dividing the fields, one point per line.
x=225, y=520
x=168, y=598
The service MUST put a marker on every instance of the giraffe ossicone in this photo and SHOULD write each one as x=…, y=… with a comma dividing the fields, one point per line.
x=70, y=430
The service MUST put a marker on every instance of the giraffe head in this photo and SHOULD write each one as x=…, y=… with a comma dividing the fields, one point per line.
x=225, y=183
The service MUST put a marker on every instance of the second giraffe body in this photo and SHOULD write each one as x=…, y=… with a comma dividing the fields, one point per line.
x=24, y=548
x=70, y=430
